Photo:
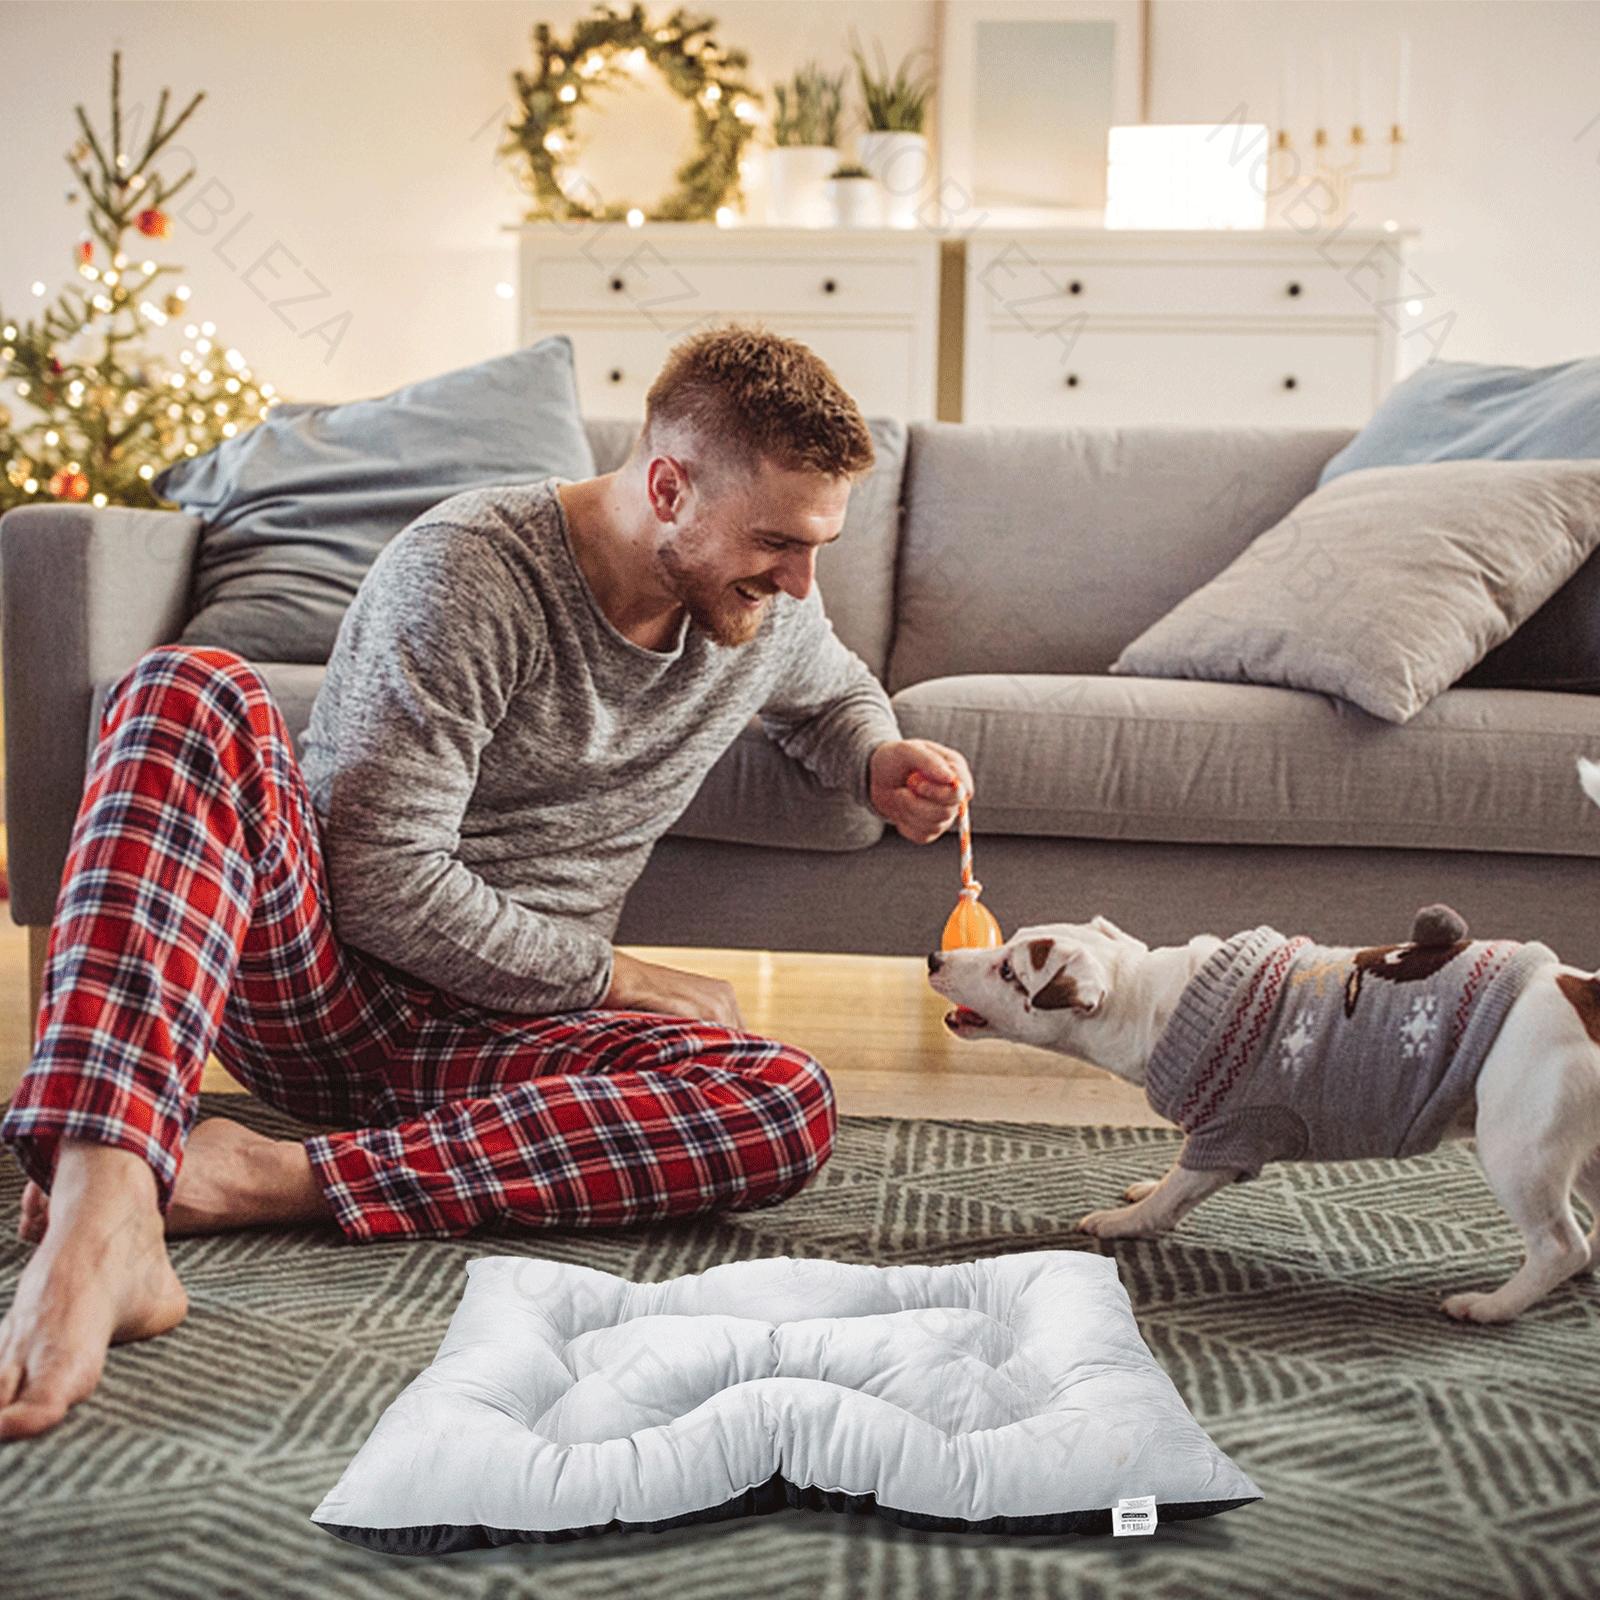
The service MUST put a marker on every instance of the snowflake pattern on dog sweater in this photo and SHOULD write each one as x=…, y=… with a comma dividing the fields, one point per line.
x=1280, y=1049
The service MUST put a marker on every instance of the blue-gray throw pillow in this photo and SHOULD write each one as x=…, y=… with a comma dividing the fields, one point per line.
x=295, y=510
x=1461, y=411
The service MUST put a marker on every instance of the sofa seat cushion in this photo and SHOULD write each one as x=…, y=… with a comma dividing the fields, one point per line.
x=1164, y=759
x=755, y=794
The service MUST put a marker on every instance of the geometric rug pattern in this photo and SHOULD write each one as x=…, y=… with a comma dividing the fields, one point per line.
x=1401, y=1455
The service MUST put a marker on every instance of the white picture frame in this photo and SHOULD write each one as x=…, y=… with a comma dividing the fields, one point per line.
x=989, y=50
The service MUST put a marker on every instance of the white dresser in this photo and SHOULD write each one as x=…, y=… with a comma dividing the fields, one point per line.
x=866, y=301
x=1111, y=328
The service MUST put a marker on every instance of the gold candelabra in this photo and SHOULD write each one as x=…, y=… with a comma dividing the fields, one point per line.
x=1338, y=177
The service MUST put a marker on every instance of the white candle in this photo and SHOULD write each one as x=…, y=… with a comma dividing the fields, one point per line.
x=1365, y=108
x=1324, y=81
x=1402, y=83
x=1286, y=106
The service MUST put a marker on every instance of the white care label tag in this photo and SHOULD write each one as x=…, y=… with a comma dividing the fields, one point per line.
x=1137, y=1515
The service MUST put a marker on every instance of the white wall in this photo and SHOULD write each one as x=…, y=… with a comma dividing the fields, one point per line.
x=1502, y=169
x=350, y=145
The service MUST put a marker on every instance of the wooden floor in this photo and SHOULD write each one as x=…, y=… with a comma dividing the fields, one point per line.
x=871, y=1020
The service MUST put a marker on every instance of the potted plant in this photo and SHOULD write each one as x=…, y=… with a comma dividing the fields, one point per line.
x=805, y=132
x=855, y=197
x=894, y=149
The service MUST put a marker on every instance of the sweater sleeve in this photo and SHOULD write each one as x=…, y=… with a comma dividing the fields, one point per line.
x=826, y=708
x=433, y=648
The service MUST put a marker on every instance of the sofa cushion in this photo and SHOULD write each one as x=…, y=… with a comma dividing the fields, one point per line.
x=1558, y=647
x=296, y=508
x=1461, y=410
x=1166, y=759
x=1047, y=550
x=755, y=794
x=1387, y=585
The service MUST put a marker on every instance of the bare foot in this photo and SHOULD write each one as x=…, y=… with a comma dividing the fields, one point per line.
x=233, y=1177
x=35, y=1213
x=230, y=1177
x=100, y=1277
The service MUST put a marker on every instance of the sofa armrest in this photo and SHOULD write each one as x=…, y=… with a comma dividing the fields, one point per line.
x=85, y=593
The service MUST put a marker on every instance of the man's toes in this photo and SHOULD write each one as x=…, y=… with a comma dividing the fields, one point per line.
x=1138, y=1191
x=1475, y=1306
x=10, y=1379
x=25, y=1418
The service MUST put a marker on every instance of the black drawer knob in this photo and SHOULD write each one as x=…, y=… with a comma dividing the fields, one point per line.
x=1072, y=380
x=830, y=285
x=617, y=286
x=615, y=374
x=1294, y=289
x=1075, y=287
x=1291, y=382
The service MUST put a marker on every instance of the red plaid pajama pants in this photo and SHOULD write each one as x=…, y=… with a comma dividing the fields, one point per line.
x=194, y=917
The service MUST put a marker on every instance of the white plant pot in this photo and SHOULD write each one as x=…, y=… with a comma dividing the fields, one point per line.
x=899, y=161
x=797, y=185
x=856, y=202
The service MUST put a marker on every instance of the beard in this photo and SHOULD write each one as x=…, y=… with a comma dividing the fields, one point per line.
x=713, y=602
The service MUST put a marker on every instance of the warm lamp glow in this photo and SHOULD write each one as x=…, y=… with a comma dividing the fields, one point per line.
x=1200, y=175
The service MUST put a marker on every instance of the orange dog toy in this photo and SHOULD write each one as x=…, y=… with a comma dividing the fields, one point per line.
x=971, y=926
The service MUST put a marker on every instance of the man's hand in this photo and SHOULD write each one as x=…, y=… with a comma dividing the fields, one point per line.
x=917, y=785
x=643, y=986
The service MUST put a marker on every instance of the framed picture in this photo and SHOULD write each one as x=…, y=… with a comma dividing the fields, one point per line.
x=1028, y=90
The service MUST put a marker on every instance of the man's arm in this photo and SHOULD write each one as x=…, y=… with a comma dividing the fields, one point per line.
x=827, y=710
x=431, y=652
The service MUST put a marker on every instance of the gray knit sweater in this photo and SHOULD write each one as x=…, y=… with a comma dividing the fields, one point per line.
x=491, y=760
x=1282, y=1049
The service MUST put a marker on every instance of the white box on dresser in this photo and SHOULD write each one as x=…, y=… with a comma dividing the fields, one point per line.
x=1105, y=327
x=866, y=300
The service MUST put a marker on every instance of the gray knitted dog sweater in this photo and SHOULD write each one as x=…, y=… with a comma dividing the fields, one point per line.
x=1280, y=1049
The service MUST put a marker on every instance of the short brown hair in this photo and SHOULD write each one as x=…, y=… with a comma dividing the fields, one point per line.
x=750, y=392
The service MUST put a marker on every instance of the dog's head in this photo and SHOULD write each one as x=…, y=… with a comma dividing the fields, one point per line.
x=1046, y=986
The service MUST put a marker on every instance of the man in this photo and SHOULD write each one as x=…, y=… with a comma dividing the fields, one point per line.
x=408, y=941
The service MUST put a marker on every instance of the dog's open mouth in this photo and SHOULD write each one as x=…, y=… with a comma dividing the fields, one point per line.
x=964, y=1016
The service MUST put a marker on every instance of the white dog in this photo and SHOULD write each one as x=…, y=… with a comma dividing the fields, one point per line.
x=1263, y=1048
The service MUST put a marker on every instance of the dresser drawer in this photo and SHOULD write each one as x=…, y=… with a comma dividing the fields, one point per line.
x=880, y=367
x=1104, y=378
x=675, y=291
x=1024, y=290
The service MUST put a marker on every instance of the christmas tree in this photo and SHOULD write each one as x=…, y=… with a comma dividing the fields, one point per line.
x=108, y=411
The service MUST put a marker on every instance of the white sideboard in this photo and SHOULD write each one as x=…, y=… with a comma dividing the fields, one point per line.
x=1109, y=328
x=1047, y=327
x=866, y=301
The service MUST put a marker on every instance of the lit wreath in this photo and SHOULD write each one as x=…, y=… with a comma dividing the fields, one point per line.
x=606, y=47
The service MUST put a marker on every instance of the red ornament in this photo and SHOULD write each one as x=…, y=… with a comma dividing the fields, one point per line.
x=85, y=252
x=69, y=485
x=56, y=367
x=153, y=224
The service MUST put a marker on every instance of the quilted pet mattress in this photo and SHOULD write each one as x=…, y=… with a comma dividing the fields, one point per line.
x=1012, y=1395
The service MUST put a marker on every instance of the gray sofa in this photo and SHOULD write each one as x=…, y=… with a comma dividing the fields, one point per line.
x=989, y=575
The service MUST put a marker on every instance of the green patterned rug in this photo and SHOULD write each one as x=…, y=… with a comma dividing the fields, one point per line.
x=1400, y=1454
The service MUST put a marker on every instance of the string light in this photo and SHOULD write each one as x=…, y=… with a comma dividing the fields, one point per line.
x=36, y=287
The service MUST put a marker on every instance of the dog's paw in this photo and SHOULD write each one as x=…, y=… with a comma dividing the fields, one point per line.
x=1122, y=1223
x=1138, y=1191
x=1475, y=1306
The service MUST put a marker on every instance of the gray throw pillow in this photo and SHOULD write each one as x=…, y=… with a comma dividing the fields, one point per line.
x=1386, y=585
x=296, y=509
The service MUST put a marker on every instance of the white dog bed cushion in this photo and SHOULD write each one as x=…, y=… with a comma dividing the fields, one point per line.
x=1008, y=1395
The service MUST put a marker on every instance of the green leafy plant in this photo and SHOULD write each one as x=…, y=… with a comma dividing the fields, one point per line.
x=897, y=102
x=808, y=107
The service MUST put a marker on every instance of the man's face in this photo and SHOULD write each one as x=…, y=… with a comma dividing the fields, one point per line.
x=739, y=536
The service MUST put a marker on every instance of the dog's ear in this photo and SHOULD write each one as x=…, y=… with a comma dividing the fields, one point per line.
x=1106, y=926
x=1078, y=983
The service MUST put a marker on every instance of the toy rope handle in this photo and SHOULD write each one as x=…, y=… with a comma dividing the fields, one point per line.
x=970, y=886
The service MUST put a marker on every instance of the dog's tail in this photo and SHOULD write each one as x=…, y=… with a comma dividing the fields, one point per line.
x=1589, y=777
